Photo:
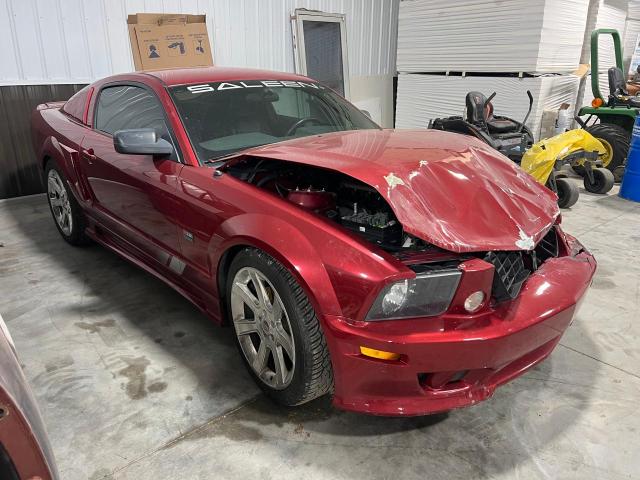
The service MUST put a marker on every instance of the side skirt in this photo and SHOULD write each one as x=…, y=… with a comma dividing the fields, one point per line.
x=125, y=249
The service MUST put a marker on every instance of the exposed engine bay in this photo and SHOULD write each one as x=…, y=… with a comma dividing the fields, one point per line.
x=351, y=203
x=361, y=209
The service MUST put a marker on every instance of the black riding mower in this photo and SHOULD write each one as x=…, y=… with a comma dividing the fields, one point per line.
x=508, y=136
x=543, y=160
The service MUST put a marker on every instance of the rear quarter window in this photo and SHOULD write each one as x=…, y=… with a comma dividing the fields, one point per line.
x=75, y=106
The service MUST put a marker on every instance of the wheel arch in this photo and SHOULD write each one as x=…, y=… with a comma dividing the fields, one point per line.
x=222, y=274
x=66, y=159
x=50, y=150
x=286, y=244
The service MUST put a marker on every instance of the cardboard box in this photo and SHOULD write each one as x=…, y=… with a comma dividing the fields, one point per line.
x=169, y=41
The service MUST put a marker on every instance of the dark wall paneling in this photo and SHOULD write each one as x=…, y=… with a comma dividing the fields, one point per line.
x=19, y=171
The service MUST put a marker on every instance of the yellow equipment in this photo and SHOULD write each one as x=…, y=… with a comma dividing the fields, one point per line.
x=577, y=148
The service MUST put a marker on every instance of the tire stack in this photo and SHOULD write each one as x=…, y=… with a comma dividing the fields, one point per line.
x=446, y=49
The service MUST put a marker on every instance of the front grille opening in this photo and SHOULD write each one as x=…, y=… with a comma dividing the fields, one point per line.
x=512, y=268
x=547, y=247
x=510, y=274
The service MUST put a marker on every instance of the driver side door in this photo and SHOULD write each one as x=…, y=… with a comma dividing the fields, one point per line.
x=134, y=196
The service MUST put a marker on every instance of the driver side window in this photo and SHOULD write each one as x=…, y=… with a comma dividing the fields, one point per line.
x=124, y=106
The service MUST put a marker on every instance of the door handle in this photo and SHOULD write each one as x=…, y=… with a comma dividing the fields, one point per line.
x=89, y=154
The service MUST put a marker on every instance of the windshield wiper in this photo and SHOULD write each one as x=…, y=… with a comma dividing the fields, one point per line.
x=222, y=159
x=217, y=161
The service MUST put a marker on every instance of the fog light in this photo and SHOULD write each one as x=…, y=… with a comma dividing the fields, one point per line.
x=381, y=354
x=474, y=301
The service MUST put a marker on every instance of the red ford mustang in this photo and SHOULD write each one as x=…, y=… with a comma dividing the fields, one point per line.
x=404, y=272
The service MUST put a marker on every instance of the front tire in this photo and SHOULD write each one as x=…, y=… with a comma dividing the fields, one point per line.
x=67, y=213
x=277, y=330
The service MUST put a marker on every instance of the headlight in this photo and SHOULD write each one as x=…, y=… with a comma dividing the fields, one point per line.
x=427, y=295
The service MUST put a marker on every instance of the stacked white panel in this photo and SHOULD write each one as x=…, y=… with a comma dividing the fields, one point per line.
x=631, y=33
x=633, y=11
x=603, y=14
x=476, y=36
x=422, y=98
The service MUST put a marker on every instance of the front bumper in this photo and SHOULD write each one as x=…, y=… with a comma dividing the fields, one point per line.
x=444, y=367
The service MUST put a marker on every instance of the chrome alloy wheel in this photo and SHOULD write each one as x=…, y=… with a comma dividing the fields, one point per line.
x=59, y=201
x=263, y=329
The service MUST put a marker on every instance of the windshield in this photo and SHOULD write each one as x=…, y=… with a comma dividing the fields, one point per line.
x=223, y=118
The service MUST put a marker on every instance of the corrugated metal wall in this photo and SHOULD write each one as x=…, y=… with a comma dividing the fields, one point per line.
x=19, y=172
x=78, y=41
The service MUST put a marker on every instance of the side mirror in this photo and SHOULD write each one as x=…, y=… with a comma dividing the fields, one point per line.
x=366, y=112
x=141, y=141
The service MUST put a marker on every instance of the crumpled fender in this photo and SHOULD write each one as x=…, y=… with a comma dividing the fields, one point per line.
x=289, y=246
x=540, y=159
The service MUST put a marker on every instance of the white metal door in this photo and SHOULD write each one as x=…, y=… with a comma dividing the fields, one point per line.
x=320, y=48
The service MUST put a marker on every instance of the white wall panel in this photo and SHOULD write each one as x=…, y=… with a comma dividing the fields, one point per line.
x=51, y=34
x=9, y=65
x=77, y=41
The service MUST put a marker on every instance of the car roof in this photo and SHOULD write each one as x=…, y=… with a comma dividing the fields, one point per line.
x=182, y=76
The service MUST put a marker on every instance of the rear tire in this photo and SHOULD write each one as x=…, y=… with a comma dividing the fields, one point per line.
x=296, y=367
x=603, y=181
x=568, y=192
x=67, y=213
x=617, y=140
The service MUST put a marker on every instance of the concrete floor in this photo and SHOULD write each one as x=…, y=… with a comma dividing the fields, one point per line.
x=134, y=383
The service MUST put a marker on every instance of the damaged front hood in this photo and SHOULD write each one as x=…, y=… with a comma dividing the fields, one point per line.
x=448, y=189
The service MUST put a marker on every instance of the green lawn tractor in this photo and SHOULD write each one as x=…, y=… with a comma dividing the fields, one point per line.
x=611, y=120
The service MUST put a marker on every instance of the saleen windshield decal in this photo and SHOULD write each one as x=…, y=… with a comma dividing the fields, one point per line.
x=212, y=87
